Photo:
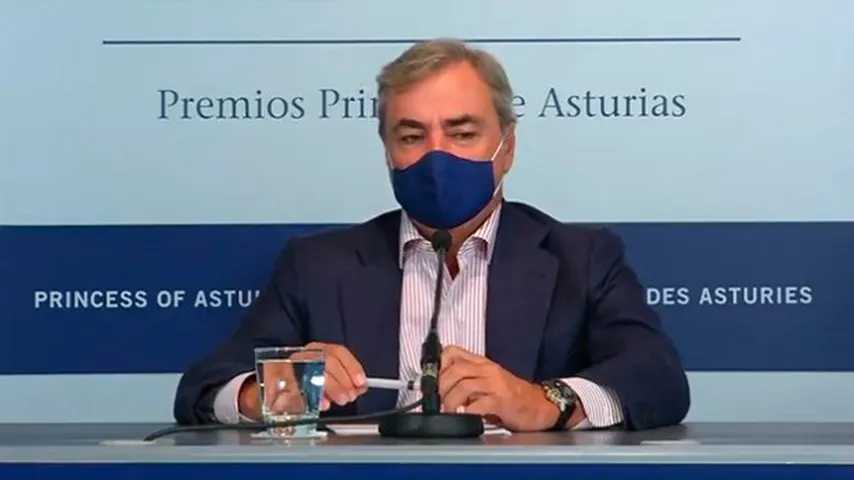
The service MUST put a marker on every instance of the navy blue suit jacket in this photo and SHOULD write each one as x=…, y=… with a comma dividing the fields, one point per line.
x=561, y=302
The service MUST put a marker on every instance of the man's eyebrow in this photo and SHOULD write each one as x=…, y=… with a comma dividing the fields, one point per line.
x=462, y=120
x=409, y=123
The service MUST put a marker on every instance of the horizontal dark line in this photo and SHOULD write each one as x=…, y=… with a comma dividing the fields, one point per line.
x=634, y=223
x=394, y=41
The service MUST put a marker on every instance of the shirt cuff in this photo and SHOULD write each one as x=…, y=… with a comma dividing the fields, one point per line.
x=225, y=403
x=601, y=404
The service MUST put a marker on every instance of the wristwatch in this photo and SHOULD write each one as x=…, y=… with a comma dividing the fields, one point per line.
x=559, y=393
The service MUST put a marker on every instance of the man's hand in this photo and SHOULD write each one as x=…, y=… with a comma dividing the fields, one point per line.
x=483, y=387
x=345, y=377
x=345, y=381
x=248, y=403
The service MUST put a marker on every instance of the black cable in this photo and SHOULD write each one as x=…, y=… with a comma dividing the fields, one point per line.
x=290, y=423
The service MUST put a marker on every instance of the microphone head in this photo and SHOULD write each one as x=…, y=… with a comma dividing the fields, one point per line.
x=441, y=240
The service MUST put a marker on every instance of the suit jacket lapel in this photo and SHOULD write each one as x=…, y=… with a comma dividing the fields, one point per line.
x=522, y=277
x=370, y=307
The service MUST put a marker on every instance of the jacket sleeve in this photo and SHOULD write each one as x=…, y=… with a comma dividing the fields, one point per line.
x=629, y=352
x=276, y=318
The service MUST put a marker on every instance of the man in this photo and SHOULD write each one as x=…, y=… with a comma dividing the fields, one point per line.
x=544, y=325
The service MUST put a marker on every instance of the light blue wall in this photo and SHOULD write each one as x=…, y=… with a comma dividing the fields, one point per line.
x=765, y=135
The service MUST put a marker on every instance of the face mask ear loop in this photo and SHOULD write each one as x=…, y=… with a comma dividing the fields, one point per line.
x=495, y=153
x=492, y=159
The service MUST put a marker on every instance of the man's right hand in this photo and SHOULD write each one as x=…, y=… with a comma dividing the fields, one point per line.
x=345, y=381
x=345, y=377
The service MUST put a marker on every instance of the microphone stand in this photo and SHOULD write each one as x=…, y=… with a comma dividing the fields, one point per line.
x=431, y=423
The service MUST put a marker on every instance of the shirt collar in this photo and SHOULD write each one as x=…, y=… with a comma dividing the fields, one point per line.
x=485, y=235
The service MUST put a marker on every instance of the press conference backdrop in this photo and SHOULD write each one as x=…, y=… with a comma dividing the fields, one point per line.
x=157, y=155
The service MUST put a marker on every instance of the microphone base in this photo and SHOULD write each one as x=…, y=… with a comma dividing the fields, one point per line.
x=438, y=425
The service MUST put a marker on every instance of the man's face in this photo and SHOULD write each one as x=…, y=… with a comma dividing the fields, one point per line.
x=450, y=110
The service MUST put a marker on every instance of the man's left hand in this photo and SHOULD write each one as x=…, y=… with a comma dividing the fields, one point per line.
x=483, y=387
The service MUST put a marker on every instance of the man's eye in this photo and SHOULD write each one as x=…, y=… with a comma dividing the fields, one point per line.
x=410, y=139
x=465, y=135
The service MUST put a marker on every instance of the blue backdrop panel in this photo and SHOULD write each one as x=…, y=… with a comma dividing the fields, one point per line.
x=735, y=296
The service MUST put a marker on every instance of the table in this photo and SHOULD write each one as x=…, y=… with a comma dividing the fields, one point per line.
x=694, y=450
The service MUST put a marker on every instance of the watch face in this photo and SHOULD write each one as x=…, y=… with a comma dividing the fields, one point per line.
x=563, y=397
x=555, y=395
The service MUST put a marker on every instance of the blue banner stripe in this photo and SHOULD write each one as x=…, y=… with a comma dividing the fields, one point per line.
x=84, y=299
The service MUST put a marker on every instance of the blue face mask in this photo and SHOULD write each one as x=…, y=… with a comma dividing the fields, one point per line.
x=442, y=190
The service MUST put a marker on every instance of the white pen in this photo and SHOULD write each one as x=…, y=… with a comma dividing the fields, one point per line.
x=393, y=384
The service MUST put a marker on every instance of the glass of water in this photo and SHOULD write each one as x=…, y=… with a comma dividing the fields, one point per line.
x=290, y=381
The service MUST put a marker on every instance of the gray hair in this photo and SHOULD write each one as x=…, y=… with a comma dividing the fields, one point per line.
x=426, y=58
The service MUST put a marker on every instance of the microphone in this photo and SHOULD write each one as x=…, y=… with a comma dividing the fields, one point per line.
x=431, y=423
x=431, y=349
x=441, y=240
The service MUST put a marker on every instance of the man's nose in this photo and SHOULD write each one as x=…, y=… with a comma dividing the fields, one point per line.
x=437, y=141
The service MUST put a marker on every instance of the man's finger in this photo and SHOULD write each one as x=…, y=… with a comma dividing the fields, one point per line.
x=453, y=354
x=486, y=405
x=333, y=392
x=351, y=365
x=338, y=386
x=288, y=401
x=465, y=391
x=450, y=376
